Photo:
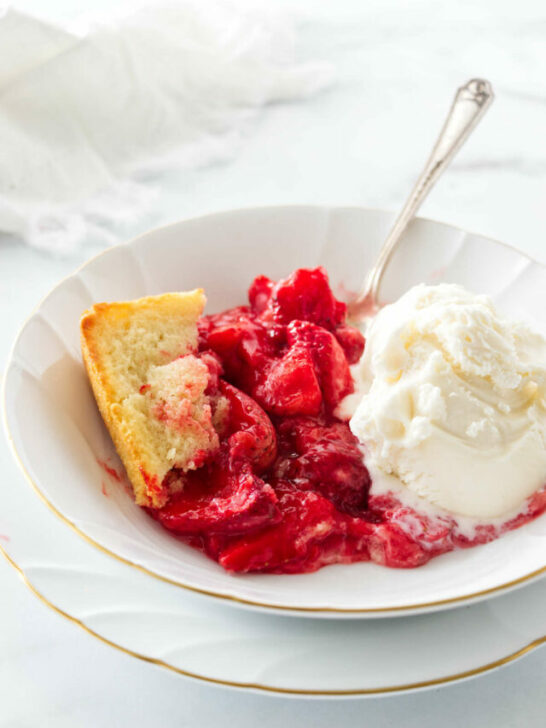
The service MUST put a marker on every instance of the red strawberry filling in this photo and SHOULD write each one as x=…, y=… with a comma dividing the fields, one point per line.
x=288, y=491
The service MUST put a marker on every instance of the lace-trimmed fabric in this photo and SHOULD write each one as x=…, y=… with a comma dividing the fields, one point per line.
x=88, y=114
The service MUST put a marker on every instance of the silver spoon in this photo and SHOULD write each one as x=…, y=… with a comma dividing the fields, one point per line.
x=469, y=105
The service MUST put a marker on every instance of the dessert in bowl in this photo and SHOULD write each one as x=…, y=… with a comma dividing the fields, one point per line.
x=303, y=510
x=238, y=434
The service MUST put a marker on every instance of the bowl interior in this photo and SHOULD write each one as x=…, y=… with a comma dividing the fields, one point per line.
x=63, y=445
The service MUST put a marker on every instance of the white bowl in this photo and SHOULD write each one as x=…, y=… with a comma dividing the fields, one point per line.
x=59, y=438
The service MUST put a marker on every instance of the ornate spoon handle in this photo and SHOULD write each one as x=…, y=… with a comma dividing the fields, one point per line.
x=469, y=105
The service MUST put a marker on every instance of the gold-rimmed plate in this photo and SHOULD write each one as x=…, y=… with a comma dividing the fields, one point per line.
x=62, y=445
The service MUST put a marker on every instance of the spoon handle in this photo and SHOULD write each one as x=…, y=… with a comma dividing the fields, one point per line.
x=469, y=105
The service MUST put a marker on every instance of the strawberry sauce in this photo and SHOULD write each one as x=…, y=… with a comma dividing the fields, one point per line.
x=288, y=490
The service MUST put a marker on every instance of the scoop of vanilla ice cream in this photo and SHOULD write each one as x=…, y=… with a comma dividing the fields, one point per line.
x=454, y=401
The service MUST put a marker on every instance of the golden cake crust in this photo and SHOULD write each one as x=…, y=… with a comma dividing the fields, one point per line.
x=122, y=343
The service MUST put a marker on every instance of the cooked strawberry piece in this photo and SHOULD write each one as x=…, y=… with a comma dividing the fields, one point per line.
x=304, y=295
x=324, y=457
x=215, y=500
x=390, y=546
x=251, y=435
x=255, y=352
x=259, y=293
x=329, y=359
x=223, y=334
x=290, y=385
x=307, y=521
x=243, y=345
x=224, y=341
x=351, y=341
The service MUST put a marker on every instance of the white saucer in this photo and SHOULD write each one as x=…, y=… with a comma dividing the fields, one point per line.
x=59, y=437
x=212, y=641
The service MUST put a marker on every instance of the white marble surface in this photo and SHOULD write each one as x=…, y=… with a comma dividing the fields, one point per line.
x=398, y=63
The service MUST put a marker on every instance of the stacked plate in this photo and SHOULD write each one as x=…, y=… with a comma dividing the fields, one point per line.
x=342, y=631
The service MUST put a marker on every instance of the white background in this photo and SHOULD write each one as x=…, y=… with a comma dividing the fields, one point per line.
x=398, y=63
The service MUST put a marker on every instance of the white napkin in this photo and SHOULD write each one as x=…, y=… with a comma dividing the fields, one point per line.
x=84, y=112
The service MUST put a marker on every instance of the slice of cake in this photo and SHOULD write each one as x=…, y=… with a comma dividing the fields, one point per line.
x=151, y=387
